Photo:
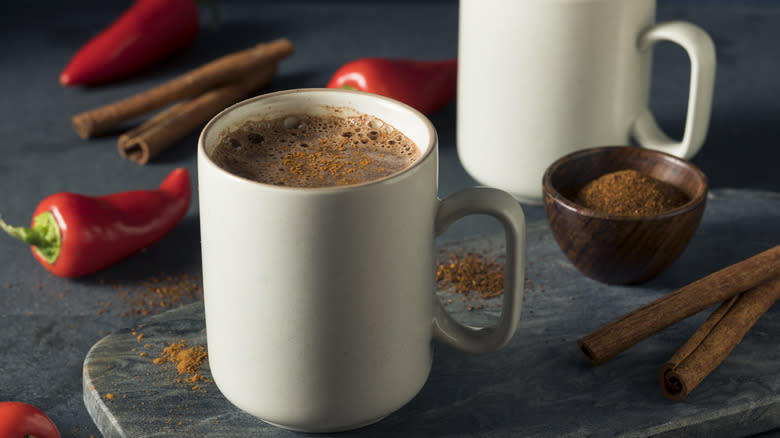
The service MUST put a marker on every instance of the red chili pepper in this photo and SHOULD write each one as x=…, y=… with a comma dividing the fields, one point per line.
x=425, y=85
x=145, y=33
x=74, y=235
x=20, y=420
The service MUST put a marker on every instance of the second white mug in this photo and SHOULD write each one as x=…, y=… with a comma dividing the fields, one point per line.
x=538, y=79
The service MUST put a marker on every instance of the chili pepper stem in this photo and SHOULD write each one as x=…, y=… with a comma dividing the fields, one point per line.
x=44, y=235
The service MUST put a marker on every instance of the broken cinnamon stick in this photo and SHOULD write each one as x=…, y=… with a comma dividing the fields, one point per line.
x=159, y=119
x=216, y=73
x=619, y=335
x=715, y=339
x=156, y=134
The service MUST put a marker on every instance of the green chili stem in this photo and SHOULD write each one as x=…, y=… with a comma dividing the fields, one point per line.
x=44, y=235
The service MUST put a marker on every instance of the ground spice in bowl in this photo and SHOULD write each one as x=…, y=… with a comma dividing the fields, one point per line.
x=630, y=193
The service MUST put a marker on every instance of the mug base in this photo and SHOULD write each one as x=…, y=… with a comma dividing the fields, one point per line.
x=526, y=200
x=534, y=199
x=326, y=430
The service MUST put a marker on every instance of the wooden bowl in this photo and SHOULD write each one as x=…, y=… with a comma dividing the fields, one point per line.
x=621, y=249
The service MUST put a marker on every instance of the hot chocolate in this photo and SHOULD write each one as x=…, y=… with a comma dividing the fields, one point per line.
x=314, y=151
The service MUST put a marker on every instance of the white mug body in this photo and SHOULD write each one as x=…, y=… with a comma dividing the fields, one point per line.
x=319, y=302
x=316, y=319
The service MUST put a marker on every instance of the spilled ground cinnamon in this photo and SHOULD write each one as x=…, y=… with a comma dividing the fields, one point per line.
x=186, y=360
x=155, y=294
x=471, y=271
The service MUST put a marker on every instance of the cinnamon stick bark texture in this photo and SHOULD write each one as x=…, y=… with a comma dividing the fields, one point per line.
x=619, y=335
x=156, y=134
x=715, y=339
x=219, y=72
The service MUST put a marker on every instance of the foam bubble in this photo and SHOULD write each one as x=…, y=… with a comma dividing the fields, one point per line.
x=375, y=123
x=255, y=138
x=292, y=123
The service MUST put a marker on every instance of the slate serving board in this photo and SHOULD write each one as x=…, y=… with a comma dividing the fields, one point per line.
x=539, y=385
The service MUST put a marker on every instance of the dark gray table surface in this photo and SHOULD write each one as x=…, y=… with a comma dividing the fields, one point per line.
x=538, y=385
x=47, y=324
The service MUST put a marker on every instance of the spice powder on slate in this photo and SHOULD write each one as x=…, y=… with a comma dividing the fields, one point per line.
x=471, y=271
x=630, y=193
x=156, y=294
x=187, y=360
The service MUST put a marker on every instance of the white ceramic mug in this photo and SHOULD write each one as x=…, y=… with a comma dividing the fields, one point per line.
x=319, y=302
x=538, y=79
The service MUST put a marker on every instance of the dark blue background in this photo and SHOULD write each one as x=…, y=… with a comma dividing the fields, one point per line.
x=44, y=336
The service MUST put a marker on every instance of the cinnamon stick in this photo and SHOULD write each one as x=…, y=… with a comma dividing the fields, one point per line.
x=715, y=339
x=216, y=73
x=156, y=134
x=160, y=119
x=619, y=335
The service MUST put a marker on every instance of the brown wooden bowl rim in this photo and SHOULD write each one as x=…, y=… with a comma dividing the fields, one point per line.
x=694, y=203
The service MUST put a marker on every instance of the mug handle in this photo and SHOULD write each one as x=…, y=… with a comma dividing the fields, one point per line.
x=502, y=206
x=701, y=52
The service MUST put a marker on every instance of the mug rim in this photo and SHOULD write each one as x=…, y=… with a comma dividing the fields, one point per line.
x=430, y=129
